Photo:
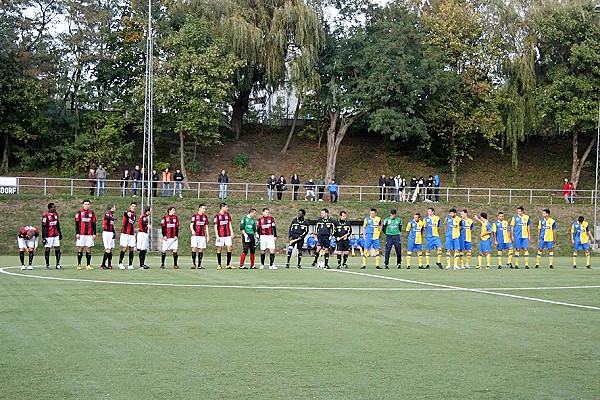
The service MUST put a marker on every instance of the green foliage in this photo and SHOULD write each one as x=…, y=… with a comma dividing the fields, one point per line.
x=161, y=165
x=240, y=161
x=309, y=131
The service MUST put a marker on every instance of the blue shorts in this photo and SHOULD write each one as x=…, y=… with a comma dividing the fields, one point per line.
x=466, y=245
x=521, y=243
x=414, y=247
x=371, y=243
x=580, y=246
x=504, y=246
x=452, y=244
x=433, y=242
x=485, y=246
x=546, y=245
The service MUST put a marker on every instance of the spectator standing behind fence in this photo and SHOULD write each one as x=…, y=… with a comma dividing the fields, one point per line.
x=397, y=184
x=321, y=187
x=223, y=180
x=402, y=190
x=333, y=191
x=101, y=177
x=281, y=187
x=136, y=177
x=92, y=181
x=429, y=185
x=271, y=184
x=382, y=182
x=166, y=183
x=389, y=184
x=295, y=186
x=154, y=182
x=124, y=182
x=310, y=190
x=436, y=188
x=177, y=182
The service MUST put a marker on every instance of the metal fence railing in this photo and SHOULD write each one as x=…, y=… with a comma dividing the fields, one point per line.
x=258, y=191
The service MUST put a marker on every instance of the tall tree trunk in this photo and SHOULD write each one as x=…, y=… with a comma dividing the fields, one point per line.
x=577, y=163
x=453, y=166
x=334, y=139
x=4, y=166
x=289, y=138
x=186, y=183
x=240, y=107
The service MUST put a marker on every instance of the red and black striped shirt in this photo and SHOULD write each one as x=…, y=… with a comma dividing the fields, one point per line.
x=128, y=226
x=108, y=222
x=143, y=223
x=23, y=232
x=199, y=224
x=50, y=225
x=85, y=222
x=223, y=224
x=266, y=226
x=170, y=226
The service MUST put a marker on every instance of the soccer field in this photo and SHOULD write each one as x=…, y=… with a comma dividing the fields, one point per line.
x=300, y=334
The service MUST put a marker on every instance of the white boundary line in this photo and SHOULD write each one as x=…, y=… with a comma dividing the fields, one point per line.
x=484, y=291
x=433, y=286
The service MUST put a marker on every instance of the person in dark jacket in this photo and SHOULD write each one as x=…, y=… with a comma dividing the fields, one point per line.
x=281, y=187
x=124, y=182
x=321, y=187
x=155, y=179
x=223, y=180
x=295, y=186
x=136, y=176
x=390, y=185
x=271, y=185
x=177, y=181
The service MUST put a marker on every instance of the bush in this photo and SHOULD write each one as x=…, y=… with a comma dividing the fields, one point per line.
x=240, y=161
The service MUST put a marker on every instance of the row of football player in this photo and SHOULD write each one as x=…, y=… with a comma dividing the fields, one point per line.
x=458, y=235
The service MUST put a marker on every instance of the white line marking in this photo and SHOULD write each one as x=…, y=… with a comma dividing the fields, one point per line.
x=438, y=285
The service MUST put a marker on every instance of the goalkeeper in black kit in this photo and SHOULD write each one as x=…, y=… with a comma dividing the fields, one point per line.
x=297, y=232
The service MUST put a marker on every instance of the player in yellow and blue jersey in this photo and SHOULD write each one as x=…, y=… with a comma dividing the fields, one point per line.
x=433, y=225
x=502, y=239
x=547, y=236
x=485, y=240
x=520, y=232
x=452, y=222
x=415, y=229
x=371, y=230
x=466, y=239
x=581, y=238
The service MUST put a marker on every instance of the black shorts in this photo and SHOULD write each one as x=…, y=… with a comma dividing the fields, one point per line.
x=297, y=244
x=250, y=244
x=323, y=242
x=343, y=245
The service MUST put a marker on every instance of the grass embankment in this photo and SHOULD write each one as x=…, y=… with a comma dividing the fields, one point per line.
x=24, y=210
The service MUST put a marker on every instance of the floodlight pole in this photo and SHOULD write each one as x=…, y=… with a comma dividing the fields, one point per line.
x=596, y=185
x=148, y=147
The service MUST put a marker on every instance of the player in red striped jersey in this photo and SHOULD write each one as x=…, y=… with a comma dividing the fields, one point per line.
x=108, y=236
x=127, y=239
x=267, y=233
x=51, y=235
x=199, y=228
x=143, y=239
x=27, y=240
x=223, y=233
x=85, y=232
x=170, y=236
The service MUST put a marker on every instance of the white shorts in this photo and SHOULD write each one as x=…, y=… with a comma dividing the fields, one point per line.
x=170, y=244
x=198, y=242
x=223, y=241
x=108, y=238
x=85, y=241
x=27, y=243
x=267, y=242
x=143, y=242
x=127, y=240
x=53, y=241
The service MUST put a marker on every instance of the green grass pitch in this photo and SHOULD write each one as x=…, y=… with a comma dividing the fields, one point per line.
x=299, y=334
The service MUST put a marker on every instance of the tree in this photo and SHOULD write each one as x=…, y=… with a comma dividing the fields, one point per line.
x=570, y=74
x=276, y=39
x=465, y=112
x=381, y=72
x=192, y=85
